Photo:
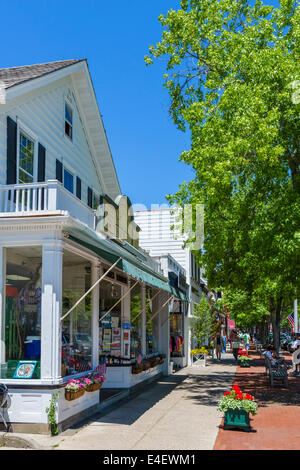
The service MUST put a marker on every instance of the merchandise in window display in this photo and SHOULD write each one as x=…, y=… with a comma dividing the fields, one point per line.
x=25, y=370
x=22, y=328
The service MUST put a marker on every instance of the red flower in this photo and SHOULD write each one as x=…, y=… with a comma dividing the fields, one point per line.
x=227, y=393
x=235, y=387
x=248, y=397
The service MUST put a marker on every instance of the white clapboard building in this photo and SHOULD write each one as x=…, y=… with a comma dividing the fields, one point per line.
x=64, y=226
x=160, y=235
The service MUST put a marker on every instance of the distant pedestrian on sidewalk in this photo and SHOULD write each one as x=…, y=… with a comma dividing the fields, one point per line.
x=235, y=344
x=246, y=339
x=274, y=358
x=224, y=340
x=295, y=360
x=218, y=344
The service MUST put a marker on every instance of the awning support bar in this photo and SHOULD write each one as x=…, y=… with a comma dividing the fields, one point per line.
x=156, y=313
x=152, y=298
x=123, y=297
x=90, y=289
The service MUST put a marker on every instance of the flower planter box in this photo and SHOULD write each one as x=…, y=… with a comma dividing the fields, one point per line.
x=245, y=364
x=70, y=395
x=94, y=387
x=199, y=357
x=235, y=418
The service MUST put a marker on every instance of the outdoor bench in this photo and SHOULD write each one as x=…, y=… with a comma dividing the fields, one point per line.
x=277, y=372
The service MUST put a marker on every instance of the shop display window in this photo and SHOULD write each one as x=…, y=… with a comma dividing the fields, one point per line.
x=136, y=321
x=151, y=325
x=177, y=330
x=77, y=326
x=21, y=333
x=110, y=324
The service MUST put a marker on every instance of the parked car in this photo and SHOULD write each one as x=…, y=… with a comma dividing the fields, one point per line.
x=285, y=340
x=81, y=341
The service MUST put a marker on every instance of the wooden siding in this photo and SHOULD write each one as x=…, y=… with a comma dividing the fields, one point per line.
x=158, y=238
x=42, y=112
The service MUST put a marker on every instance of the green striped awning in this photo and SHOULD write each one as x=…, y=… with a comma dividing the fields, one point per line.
x=137, y=270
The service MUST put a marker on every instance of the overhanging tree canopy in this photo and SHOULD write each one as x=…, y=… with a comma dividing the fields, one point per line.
x=232, y=75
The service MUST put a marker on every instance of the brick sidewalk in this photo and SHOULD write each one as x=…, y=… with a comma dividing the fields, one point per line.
x=277, y=424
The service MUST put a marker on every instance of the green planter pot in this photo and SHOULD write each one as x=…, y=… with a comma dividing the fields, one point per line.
x=245, y=365
x=235, y=418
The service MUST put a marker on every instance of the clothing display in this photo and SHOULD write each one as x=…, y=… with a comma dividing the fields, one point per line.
x=176, y=342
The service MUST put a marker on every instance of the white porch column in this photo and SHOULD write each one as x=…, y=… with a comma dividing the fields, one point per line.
x=52, y=186
x=187, y=339
x=125, y=316
x=143, y=320
x=52, y=263
x=2, y=303
x=164, y=330
x=95, y=275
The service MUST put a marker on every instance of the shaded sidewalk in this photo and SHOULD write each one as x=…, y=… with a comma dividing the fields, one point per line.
x=277, y=423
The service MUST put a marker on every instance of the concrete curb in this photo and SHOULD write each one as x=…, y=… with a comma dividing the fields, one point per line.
x=17, y=441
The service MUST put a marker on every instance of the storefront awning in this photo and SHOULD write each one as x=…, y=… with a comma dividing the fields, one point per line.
x=180, y=295
x=138, y=271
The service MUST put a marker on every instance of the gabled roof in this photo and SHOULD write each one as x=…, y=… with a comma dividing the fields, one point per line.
x=20, y=80
x=16, y=75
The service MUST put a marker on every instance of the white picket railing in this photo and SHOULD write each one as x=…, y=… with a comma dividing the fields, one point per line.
x=41, y=198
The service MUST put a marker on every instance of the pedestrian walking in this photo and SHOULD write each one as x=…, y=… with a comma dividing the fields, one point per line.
x=218, y=345
x=224, y=341
x=235, y=344
x=246, y=339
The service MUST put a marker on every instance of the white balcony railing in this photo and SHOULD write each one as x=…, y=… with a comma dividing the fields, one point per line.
x=43, y=199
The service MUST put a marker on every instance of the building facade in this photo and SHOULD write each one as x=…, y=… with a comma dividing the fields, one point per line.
x=160, y=238
x=76, y=291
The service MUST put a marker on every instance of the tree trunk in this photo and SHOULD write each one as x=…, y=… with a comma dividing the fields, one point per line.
x=263, y=331
x=275, y=312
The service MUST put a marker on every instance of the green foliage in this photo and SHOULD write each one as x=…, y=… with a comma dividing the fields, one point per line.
x=237, y=400
x=245, y=359
x=202, y=323
x=51, y=412
x=246, y=308
x=232, y=68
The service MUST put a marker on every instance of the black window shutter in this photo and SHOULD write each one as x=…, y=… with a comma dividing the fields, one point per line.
x=59, y=171
x=90, y=197
x=11, y=171
x=41, y=163
x=78, y=187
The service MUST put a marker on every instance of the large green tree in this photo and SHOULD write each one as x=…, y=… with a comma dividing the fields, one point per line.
x=232, y=73
x=202, y=322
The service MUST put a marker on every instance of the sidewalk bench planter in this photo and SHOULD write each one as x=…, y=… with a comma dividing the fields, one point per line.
x=235, y=418
x=245, y=364
x=199, y=354
x=245, y=360
x=237, y=407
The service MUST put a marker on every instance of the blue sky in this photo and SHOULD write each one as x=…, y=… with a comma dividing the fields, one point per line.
x=114, y=36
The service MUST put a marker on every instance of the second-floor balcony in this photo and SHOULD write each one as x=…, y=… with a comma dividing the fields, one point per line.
x=47, y=198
